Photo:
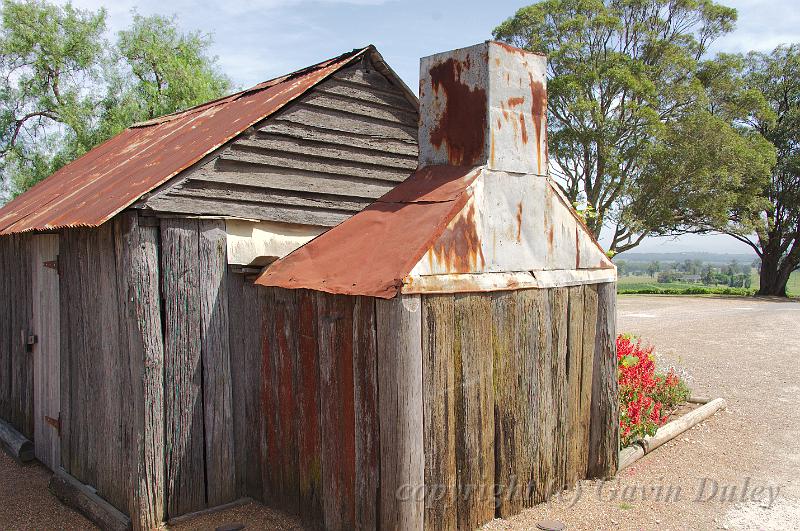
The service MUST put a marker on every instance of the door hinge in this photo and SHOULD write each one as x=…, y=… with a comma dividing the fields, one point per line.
x=56, y=423
x=32, y=340
x=52, y=264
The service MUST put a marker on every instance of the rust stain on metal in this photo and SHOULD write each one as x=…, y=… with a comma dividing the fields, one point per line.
x=524, y=129
x=513, y=102
x=519, y=222
x=462, y=125
x=458, y=249
x=371, y=252
x=538, y=107
x=95, y=187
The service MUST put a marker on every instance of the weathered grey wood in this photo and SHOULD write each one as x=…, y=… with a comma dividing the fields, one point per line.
x=17, y=445
x=336, y=121
x=474, y=406
x=364, y=76
x=406, y=148
x=46, y=368
x=559, y=314
x=287, y=179
x=576, y=431
x=604, y=429
x=439, y=412
x=5, y=329
x=359, y=107
x=215, y=352
x=302, y=148
x=337, y=403
x=399, y=329
x=142, y=368
x=528, y=427
x=365, y=390
x=187, y=518
x=82, y=498
x=184, y=437
x=546, y=405
x=309, y=422
x=587, y=373
x=391, y=97
x=312, y=164
x=236, y=193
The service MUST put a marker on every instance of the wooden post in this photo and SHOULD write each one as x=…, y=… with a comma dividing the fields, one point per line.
x=400, y=408
x=604, y=429
x=143, y=374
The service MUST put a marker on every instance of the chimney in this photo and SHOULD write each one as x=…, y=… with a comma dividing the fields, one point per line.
x=485, y=105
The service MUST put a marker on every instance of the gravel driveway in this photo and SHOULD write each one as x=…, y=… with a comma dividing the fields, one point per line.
x=738, y=470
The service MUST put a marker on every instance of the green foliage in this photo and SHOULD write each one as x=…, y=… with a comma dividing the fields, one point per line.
x=64, y=88
x=632, y=124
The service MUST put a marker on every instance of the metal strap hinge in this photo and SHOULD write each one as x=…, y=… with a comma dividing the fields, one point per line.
x=52, y=264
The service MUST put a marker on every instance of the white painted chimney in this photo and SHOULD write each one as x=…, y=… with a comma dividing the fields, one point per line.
x=485, y=105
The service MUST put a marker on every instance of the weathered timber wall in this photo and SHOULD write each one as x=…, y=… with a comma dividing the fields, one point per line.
x=16, y=314
x=317, y=162
x=520, y=399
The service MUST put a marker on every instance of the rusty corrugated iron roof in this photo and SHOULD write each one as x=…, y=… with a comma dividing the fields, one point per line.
x=373, y=251
x=95, y=187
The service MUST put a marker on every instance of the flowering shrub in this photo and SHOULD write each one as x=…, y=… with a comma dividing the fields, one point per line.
x=645, y=396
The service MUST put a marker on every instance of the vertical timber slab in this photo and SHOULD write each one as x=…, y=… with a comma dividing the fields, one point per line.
x=184, y=437
x=527, y=429
x=587, y=373
x=309, y=436
x=137, y=252
x=337, y=402
x=545, y=405
x=215, y=352
x=5, y=329
x=280, y=354
x=66, y=291
x=438, y=387
x=513, y=378
x=400, y=392
x=604, y=428
x=474, y=405
x=20, y=393
x=366, y=413
x=576, y=442
x=559, y=313
x=46, y=371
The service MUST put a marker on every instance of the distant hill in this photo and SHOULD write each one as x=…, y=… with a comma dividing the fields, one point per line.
x=708, y=258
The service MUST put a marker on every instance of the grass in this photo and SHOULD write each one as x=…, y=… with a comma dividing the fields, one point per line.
x=643, y=284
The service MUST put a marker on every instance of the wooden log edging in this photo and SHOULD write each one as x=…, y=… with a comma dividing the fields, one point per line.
x=85, y=500
x=631, y=454
x=16, y=444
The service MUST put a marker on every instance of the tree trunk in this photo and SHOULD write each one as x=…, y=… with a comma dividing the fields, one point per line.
x=774, y=276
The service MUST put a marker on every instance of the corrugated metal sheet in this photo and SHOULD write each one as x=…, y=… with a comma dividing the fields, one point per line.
x=113, y=175
x=373, y=251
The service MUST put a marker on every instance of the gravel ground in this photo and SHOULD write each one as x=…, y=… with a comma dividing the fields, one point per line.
x=738, y=470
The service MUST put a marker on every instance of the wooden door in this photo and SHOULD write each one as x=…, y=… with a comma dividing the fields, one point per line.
x=46, y=351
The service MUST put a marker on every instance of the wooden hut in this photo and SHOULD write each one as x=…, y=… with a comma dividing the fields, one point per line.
x=446, y=355
x=130, y=335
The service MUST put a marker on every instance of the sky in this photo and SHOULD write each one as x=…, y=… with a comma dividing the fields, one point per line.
x=257, y=40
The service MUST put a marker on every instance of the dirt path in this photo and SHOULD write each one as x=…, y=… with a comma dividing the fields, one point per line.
x=745, y=350
x=748, y=352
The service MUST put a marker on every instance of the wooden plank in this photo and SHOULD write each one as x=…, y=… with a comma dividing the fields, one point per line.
x=337, y=403
x=360, y=107
x=589, y=331
x=369, y=77
x=279, y=159
x=276, y=129
x=400, y=406
x=46, y=369
x=545, y=406
x=305, y=148
x=66, y=315
x=184, y=437
x=392, y=98
x=5, y=329
x=604, y=428
x=336, y=121
x=21, y=316
x=82, y=498
x=474, y=410
x=438, y=387
x=309, y=423
x=143, y=392
x=529, y=421
x=575, y=430
x=215, y=352
x=268, y=402
x=559, y=313
x=213, y=207
x=366, y=424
